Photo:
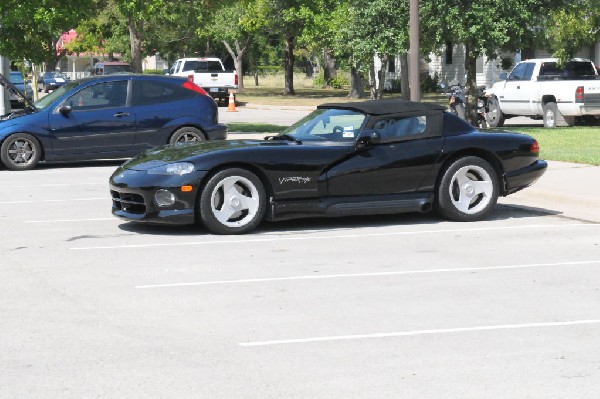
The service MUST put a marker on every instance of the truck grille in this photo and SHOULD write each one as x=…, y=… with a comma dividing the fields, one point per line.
x=128, y=202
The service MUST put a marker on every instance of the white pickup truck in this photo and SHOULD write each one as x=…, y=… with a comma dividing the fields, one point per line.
x=208, y=73
x=540, y=88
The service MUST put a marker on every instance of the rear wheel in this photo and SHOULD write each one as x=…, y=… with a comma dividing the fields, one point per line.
x=186, y=135
x=20, y=151
x=495, y=117
x=232, y=202
x=468, y=190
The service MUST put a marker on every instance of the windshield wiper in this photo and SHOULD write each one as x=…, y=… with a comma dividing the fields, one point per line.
x=285, y=137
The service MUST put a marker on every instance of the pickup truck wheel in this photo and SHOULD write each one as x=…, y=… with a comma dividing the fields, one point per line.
x=494, y=116
x=186, y=135
x=550, y=114
x=468, y=190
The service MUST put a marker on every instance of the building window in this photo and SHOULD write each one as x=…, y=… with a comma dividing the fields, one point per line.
x=448, y=53
x=392, y=64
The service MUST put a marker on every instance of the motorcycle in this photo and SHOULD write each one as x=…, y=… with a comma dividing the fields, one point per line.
x=482, y=108
x=456, y=100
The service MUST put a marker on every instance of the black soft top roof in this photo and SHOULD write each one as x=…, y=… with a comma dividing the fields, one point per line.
x=385, y=107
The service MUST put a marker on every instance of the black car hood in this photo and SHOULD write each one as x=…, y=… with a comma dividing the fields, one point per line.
x=191, y=151
x=13, y=89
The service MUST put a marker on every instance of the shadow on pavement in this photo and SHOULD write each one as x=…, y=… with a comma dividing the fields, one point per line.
x=325, y=224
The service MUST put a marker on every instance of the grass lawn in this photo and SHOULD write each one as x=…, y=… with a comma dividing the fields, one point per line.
x=579, y=144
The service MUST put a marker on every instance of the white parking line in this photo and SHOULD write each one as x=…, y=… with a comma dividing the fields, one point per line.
x=397, y=273
x=321, y=237
x=55, y=185
x=54, y=200
x=420, y=332
x=72, y=220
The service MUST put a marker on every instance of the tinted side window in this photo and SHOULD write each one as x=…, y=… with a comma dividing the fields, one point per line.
x=523, y=71
x=148, y=92
x=98, y=96
x=399, y=128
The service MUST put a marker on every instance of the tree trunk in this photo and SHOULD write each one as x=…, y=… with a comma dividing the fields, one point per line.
x=238, y=59
x=404, y=78
x=135, y=42
x=382, y=74
x=289, y=66
x=372, y=81
x=329, y=69
x=471, y=86
x=356, y=84
x=256, y=77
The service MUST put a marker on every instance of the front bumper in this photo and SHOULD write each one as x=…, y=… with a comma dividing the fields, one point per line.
x=132, y=194
x=519, y=179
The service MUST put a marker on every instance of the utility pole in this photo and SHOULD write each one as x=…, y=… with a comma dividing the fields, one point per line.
x=4, y=98
x=413, y=56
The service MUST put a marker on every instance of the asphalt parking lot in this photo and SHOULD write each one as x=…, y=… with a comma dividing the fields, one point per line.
x=404, y=306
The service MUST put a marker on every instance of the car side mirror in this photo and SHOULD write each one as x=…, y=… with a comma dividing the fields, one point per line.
x=165, y=71
x=368, y=138
x=503, y=75
x=65, y=110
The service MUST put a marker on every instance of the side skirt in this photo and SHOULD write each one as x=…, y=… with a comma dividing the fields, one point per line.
x=348, y=206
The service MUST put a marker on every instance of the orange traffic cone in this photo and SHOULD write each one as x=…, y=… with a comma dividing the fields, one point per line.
x=231, y=105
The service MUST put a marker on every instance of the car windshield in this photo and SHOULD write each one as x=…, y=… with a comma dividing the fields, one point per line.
x=45, y=101
x=327, y=124
x=16, y=78
x=52, y=75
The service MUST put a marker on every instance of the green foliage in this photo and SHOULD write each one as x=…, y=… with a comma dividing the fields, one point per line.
x=339, y=81
x=573, y=27
x=430, y=84
x=395, y=86
x=153, y=72
x=30, y=30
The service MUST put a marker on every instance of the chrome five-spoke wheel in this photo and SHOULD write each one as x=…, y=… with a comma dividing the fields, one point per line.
x=232, y=202
x=468, y=189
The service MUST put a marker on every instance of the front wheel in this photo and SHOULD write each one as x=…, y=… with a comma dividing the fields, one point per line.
x=20, y=151
x=494, y=116
x=468, y=190
x=232, y=202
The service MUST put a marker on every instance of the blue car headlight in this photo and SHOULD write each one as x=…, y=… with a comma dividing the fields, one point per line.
x=173, y=169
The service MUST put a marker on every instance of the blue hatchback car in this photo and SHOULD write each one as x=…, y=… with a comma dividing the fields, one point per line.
x=107, y=117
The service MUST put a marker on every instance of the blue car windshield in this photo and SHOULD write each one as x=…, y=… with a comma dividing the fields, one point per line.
x=45, y=101
x=327, y=124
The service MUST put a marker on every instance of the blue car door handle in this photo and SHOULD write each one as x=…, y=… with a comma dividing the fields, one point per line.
x=121, y=114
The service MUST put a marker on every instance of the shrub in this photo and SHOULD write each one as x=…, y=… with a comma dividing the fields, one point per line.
x=430, y=84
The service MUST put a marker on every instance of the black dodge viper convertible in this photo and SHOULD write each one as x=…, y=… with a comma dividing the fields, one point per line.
x=372, y=157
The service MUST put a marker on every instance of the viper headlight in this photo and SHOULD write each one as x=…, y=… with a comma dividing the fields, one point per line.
x=173, y=169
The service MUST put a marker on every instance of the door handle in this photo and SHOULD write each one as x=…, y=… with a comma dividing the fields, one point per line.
x=121, y=114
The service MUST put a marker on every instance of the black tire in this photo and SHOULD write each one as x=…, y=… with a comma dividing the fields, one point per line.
x=494, y=115
x=468, y=190
x=550, y=115
x=187, y=134
x=232, y=202
x=553, y=118
x=20, y=151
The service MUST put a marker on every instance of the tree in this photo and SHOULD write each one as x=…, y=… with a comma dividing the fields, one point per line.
x=287, y=20
x=226, y=25
x=484, y=27
x=573, y=26
x=30, y=30
x=368, y=29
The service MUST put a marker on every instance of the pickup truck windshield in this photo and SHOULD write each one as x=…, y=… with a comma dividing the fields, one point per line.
x=202, y=66
x=571, y=70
